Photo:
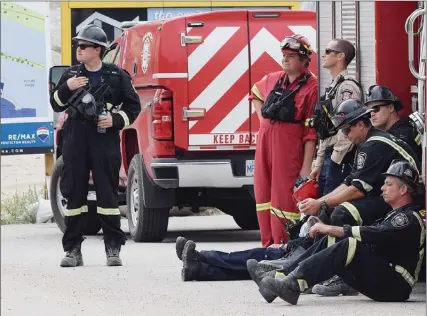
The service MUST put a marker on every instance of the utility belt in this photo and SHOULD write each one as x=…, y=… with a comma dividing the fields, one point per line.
x=280, y=105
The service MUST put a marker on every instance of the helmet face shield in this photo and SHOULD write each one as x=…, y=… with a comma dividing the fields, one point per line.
x=339, y=121
x=295, y=45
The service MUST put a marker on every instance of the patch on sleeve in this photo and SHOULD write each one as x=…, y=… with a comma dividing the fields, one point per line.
x=361, y=158
x=346, y=94
x=400, y=220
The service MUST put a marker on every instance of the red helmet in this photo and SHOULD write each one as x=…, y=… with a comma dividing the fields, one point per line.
x=298, y=44
x=310, y=189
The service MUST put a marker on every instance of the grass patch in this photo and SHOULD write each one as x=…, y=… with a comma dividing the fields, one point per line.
x=20, y=208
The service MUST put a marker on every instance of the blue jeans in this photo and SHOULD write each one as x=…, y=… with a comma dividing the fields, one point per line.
x=332, y=174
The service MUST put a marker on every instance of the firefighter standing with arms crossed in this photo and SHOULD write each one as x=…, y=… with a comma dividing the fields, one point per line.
x=335, y=153
x=284, y=102
x=92, y=142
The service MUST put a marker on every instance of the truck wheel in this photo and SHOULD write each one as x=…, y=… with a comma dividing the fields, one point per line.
x=145, y=224
x=243, y=212
x=59, y=203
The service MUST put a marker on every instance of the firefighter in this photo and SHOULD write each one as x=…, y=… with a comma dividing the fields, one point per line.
x=381, y=261
x=335, y=153
x=284, y=102
x=385, y=107
x=88, y=147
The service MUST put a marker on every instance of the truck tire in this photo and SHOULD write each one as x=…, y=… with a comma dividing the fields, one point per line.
x=145, y=224
x=59, y=204
x=243, y=212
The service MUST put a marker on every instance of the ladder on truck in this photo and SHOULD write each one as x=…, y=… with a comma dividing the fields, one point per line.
x=419, y=114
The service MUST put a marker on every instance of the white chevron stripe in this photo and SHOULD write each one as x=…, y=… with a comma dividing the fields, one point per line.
x=236, y=117
x=265, y=42
x=308, y=31
x=210, y=46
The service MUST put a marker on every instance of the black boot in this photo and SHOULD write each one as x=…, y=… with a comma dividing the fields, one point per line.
x=257, y=273
x=287, y=288
x=179, y=246
x=73, y=257
x=112, y=250
x=191, y=267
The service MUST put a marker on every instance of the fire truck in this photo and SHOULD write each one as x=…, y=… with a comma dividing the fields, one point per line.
x=194, y=142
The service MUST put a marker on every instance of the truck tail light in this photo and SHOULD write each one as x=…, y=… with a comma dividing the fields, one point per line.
x=162, y=110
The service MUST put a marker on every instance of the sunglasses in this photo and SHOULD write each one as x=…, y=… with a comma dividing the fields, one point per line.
x=84, y=46
x=377, y=108
x=328, y=51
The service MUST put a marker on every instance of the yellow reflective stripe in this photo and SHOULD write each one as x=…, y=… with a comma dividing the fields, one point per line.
x=422, y=241
x=355, y=231
x=125, y=118
x=399, y=149
x=331, y=241
x=263, y=206
x=352, y=243
x=405, y=274
x=107, y=211
x=354, y=212
x=279, y=275
x=76, y=211
x=109, y=106
x=283, y=214
x=302, y=284
x=366, y=186
x=418, y=139
x=57, y=99
x=257, y=93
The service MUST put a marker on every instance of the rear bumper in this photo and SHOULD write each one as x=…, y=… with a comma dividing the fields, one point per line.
x=173, y=173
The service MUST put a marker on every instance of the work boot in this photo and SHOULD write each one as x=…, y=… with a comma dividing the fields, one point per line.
x=334, y=287
x=112, y=250
x=191, y=266
x=179, y=246
x=287, y=288
x=73, y=257
x=286, y=261
x=257, y=273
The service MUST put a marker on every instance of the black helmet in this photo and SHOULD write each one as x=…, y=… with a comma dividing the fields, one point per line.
x=349, y=112
x=93, y=34
x=406, y=172
x=382, y=94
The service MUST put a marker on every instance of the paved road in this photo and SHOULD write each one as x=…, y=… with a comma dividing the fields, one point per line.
x=149, y=283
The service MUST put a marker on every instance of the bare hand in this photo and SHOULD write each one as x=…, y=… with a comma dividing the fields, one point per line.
x=315, y=173
x=76, y=82
x=309, y=206
x=318, y=229
x=105, y=121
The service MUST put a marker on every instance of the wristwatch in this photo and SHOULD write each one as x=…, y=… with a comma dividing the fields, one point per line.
x=323, y=205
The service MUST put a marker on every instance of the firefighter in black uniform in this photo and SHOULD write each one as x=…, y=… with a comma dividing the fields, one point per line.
x=100, y=100
x=382, y=261
x=384, y=116
x=358, y=200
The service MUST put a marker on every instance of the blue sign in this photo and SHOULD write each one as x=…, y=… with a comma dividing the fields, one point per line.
x=27, y=138
x=154, y=14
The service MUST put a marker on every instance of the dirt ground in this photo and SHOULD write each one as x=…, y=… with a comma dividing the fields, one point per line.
x=19, y=173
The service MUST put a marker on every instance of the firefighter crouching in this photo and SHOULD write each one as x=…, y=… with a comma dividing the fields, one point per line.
x=284, y=102
x=90, y=94
x=335, y=153
x=382, y=261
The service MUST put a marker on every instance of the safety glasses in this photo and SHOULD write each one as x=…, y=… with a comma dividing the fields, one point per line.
x=328, y=51
x=84, y=46
x=295, y=45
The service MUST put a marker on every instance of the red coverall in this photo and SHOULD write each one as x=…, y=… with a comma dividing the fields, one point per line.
x=279, y=157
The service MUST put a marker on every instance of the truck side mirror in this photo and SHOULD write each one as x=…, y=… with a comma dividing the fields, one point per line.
x=55, y=74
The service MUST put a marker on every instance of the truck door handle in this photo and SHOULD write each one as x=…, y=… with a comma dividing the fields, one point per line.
x=186, y=39
x=193, y=113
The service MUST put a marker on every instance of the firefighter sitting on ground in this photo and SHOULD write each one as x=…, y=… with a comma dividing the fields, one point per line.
x=382, y=260
x=355, y=202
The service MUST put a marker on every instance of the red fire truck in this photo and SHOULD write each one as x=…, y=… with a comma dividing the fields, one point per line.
x=194, y=142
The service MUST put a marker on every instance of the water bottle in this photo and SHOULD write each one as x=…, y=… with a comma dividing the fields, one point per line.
x=101, y=129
